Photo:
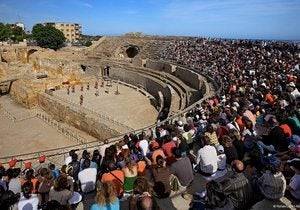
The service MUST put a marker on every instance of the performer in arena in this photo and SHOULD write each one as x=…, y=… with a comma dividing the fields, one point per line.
x=73, y=89
x=81, y=100
x=96, y=84
x=81, y=88
x=97, y=93
x=88, y=86
x=68, y=90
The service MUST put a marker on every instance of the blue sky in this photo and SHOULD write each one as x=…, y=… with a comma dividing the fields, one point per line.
x=262, y=19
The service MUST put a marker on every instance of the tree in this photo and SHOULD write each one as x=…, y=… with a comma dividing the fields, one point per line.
x=5, y=32
x=11, y=32
x=48, y=36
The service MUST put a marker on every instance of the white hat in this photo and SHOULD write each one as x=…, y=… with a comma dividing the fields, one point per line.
x=292, y=84
x=125, y=146
x=180, y=123
x=203, y=117
x=220, y=149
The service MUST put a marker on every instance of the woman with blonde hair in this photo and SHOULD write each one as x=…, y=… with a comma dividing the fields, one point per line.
x=130, y=173
x=106, y=198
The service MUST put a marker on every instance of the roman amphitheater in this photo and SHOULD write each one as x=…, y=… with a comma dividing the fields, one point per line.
x=123, y=86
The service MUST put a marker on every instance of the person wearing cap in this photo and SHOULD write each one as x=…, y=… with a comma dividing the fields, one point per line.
x=294, y=185
x=12, y=163
x=42, y=164
x=273, y=185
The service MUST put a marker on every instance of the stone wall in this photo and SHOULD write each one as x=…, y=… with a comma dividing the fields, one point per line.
x=192, y=79
x=151, y=85
x=159, y=66
x=64, y=113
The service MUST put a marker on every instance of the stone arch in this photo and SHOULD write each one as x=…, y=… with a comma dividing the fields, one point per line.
x=30, y=52
x=132, y=51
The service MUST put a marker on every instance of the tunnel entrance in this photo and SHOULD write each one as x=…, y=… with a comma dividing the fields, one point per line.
x=132, y=51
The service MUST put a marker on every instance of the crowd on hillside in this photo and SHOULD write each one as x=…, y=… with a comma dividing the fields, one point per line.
x=244, y=143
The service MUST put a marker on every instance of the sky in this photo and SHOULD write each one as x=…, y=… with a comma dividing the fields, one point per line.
x=249, y=19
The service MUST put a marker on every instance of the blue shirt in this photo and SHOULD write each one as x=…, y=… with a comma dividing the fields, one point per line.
x=112, y=206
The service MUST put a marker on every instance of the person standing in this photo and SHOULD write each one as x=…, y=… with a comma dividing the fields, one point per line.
x=81, y=100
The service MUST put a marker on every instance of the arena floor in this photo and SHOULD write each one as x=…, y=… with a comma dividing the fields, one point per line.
x=28, y=133
x=130, y=107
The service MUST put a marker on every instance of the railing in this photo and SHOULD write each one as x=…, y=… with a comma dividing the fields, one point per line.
x=63, y=151
x=63, y=129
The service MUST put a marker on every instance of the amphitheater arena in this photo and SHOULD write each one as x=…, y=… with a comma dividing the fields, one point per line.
x=124, y=85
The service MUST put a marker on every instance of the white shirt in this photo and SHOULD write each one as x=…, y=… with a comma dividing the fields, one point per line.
x=28, y=204
x=15, y=185
x=68, y=160
x=144, y=146
x=87, y=178
x=295, y=185
x=208, y=159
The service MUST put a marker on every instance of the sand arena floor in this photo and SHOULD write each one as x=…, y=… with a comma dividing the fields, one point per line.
x=130, y=107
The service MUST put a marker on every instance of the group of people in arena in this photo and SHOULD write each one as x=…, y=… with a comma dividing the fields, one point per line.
x=243, y=144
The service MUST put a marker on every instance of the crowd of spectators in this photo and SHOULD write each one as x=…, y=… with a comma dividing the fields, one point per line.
x=244, y=143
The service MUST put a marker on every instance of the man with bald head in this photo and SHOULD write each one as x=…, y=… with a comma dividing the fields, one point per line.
x=237, y=187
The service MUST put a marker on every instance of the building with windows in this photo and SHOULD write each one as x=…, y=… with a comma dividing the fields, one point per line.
x=72, y=31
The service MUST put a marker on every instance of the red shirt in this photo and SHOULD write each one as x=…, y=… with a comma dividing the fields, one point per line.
x=168, y=148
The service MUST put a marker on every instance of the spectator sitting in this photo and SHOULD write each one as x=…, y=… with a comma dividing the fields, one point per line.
x=273, y=186
x=87, y=177
x=114, y=176
x=142, y=195
x=130, y=173
x=14, y=182
x=106, y=198
x=212, y=136
x=28, y=200
x=29, y=177
x=55, y=172
x=294, y=185
x=238, y=188
x=62, y=190
x=161, y=175
x=207, y=158
x=182, y=168
x=3, y=182
x=46, y=182
x=229, y=149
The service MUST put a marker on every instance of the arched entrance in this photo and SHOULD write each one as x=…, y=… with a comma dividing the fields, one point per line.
x=30, y=52
x=132, y=51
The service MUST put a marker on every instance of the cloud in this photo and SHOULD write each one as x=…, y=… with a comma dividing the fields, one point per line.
x=87, y=5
